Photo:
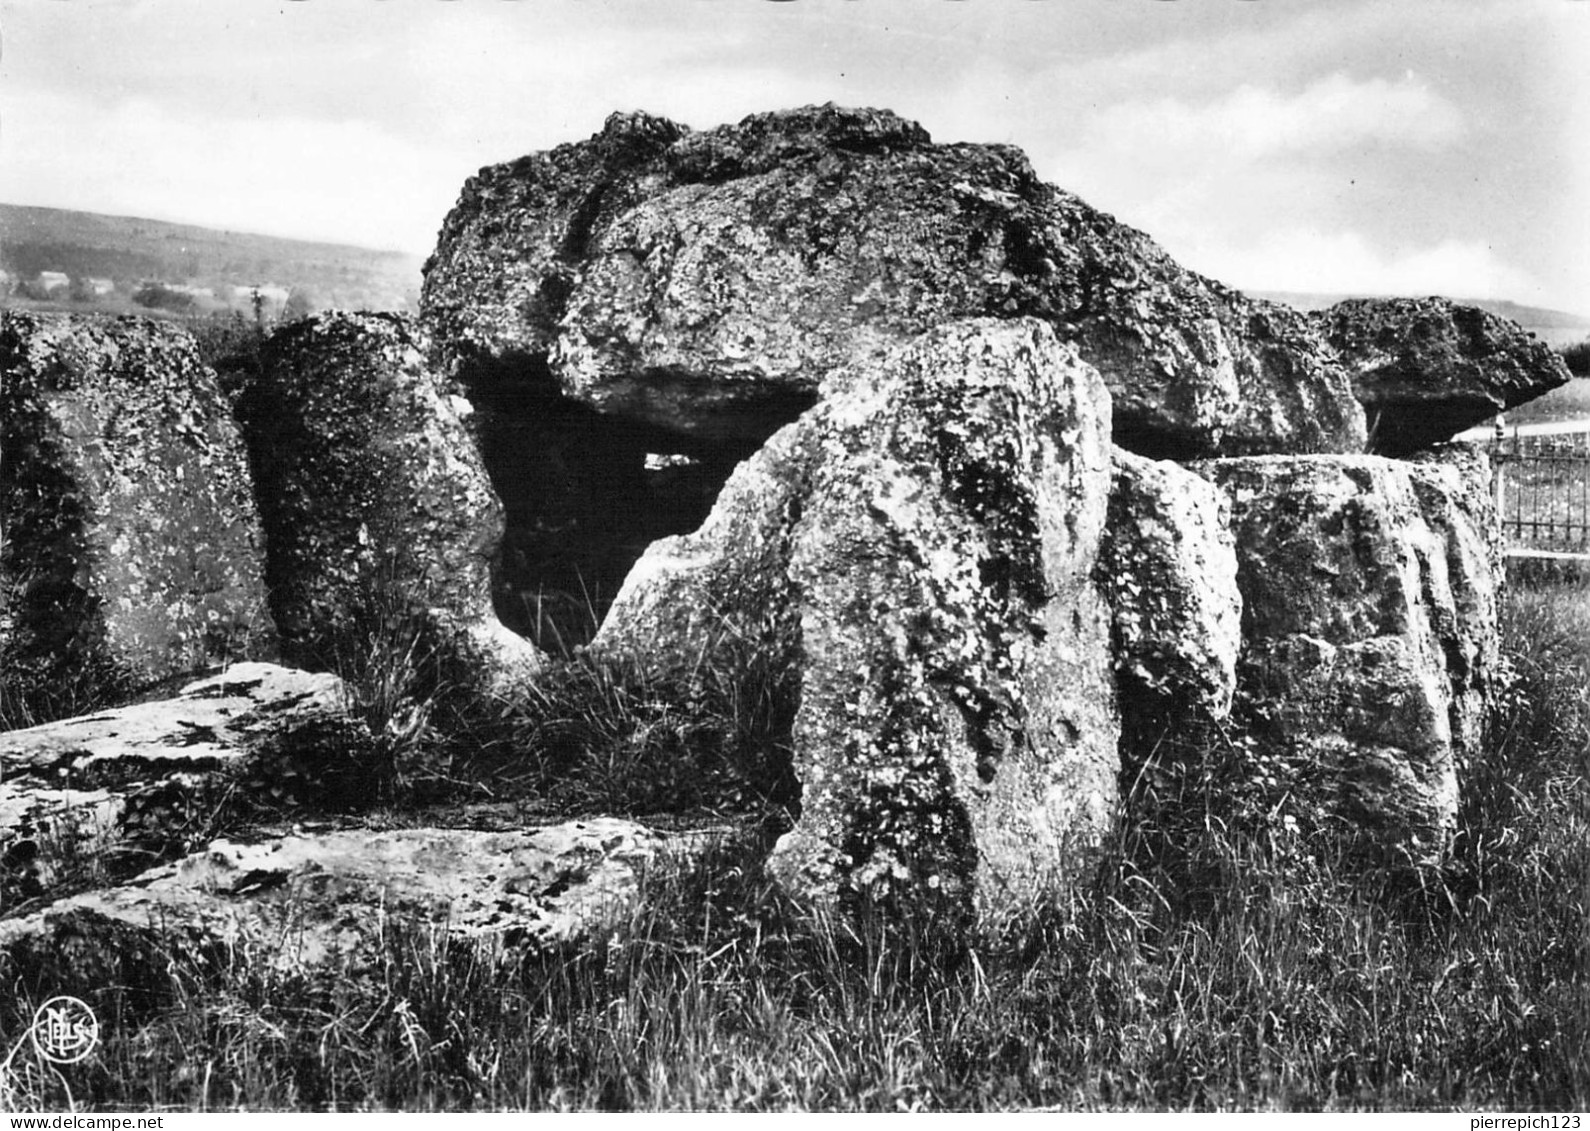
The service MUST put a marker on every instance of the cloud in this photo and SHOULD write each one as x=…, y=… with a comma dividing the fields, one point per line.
x=1135, y=152
x=1364, y=185
x=1441, y=145
x=1251, y=123
x=1312, y=260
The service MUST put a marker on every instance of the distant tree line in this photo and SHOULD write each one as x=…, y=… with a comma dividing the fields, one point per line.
x=1578, y=358
x=28, y=259
x=158, y=297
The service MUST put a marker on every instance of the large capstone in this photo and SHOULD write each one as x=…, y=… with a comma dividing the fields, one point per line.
x=380, y=516
x=921, y=546
x=1426, y=369
x=660, y=298
x=709, y=283
x=131, y=546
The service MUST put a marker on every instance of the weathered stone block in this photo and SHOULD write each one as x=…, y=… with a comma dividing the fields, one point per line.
x=1370, y=631
x=1168, y=569
x=921, y=545
x=131, y=547
x=373, y=495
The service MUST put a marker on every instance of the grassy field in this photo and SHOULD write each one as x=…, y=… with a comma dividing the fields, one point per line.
x=1214, y=962
x=1571, y=402
x=224, y=266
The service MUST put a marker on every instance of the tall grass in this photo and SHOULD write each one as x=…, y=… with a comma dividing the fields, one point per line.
x=611, y=734
x=1248, y=970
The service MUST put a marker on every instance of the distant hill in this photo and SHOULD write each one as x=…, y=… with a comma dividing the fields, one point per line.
x=75, y=260
x=1557, y=327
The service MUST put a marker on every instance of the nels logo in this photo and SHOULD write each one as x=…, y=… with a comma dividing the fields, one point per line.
x=65, y=1030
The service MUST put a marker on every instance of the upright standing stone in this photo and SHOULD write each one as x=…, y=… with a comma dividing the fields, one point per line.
x=1370, y=634
x=1169, y=572
x=376, y=505
x=922, y=546
x=131, y=547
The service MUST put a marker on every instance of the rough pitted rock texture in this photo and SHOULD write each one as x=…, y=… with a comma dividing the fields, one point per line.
x=1370, y=631
x=708, y=284
x=373, y=495
x=726, y=585
x=1426, y=369
x=921, y=545
x=1168, y=569
x=325, y=900
x=138, y=779
x=1452, y=483
x=131, y=549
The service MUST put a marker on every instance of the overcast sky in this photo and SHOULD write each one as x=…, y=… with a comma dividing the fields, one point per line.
x=1383, y=146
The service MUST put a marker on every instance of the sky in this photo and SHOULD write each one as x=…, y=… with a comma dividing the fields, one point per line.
x=1364, y=146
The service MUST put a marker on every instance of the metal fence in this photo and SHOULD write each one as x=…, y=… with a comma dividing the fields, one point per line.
x=1542, y=487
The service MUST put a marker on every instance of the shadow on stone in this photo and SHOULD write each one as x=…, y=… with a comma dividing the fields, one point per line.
x=583, y=494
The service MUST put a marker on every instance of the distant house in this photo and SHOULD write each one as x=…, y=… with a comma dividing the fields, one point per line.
x=100, y=286
x=52, y=281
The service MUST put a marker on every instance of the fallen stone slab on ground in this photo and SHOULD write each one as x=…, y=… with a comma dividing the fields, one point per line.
x=141, y=779
x=331, y=899
x=211, y=722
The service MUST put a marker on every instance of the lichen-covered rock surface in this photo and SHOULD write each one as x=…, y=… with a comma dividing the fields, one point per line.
x=134, y=781
x=1168, y=569
x=326, y=900
x=132, y=548
x=1370, y=645
x=708, y=284
x=1426, y=369
x=726, y=584
x=1452, y=484
x=373, y=496
x=921, y=545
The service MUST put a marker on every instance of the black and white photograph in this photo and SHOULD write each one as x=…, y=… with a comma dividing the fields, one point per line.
x=801, y=556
